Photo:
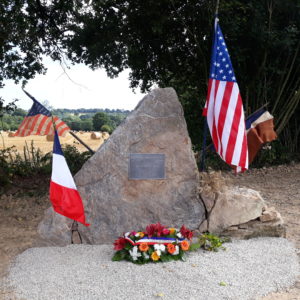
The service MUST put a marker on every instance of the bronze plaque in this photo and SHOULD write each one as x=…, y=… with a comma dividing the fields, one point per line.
x=146, y=166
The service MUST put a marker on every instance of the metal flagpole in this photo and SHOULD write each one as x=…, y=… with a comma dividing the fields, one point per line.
x=202, y=166
x=204, y=148
x=82, y=142
x=217, y=7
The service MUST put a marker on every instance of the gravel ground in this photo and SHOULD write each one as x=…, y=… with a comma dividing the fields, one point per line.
x=247, y=269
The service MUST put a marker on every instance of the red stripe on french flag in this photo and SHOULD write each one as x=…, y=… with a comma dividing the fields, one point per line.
x=67, y=202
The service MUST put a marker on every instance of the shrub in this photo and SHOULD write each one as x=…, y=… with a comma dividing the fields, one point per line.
x=106, y=128
x=211, y=242
x=74, y=158
x=33, y=162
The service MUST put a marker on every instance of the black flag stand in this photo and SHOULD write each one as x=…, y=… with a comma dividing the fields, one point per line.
x=74, y=232
x=202, y=166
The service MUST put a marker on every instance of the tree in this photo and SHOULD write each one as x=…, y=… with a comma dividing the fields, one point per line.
x=100, y=119
x=20, y=112
x=165, y=42
x=116, y=120
x=75, y=125
x=168, y=43
x=6, y=110
x=106, y=128
x=30, y=29
x=87, y=124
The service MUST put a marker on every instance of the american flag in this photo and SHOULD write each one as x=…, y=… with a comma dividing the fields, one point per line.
x=39, y=122
x=224, y=107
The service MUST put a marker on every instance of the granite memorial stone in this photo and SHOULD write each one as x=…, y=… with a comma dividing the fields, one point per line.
x=144, y=173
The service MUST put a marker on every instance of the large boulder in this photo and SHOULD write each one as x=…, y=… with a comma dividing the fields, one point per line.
x=233, y=206
x=114, y=203
x=227, y=205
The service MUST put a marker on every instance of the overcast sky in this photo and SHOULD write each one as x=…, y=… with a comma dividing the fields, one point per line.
x=86, y=89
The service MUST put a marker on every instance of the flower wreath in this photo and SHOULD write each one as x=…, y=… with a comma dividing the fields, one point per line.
x=156, y=244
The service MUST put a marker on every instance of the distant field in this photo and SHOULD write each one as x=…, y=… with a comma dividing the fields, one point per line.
x=46, y=146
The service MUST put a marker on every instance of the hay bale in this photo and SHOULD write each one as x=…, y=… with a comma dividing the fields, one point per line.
x=50, y=138
x=96, y=135
x=105, y=135
x=11, y=134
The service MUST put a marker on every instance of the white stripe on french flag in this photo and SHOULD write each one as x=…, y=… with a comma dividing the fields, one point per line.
x=64, y=196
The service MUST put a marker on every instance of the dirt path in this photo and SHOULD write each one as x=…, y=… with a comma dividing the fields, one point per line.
x=280, y=187
x=22, y=208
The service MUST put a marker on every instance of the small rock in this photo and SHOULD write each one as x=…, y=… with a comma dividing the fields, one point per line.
x=256, y=228
x=160, y=295
x=272, y=208
x=268, y=216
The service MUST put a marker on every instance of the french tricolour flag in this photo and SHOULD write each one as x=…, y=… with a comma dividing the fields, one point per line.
x=63, y=192
x=260, y=130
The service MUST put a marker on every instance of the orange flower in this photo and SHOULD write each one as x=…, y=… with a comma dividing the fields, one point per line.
x=171, y=248
x=185, y=245
x=172, y=230
x=143, y=247
x=155, y=256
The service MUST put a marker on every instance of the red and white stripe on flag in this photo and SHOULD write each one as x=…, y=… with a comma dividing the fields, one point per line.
x=225, y=119
x=224, y=107
x=41, y=125
x=39, y=121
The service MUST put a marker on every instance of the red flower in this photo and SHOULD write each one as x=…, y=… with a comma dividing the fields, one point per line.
x=155, y=229
x=150, y=230
x=186, y=232
x=166, y=231
x=119, y=244
x=159, y=229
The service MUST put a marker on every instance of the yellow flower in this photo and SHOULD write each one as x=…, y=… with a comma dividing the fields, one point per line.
x=172, y=230
x=155, y=256
x=141, y=234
